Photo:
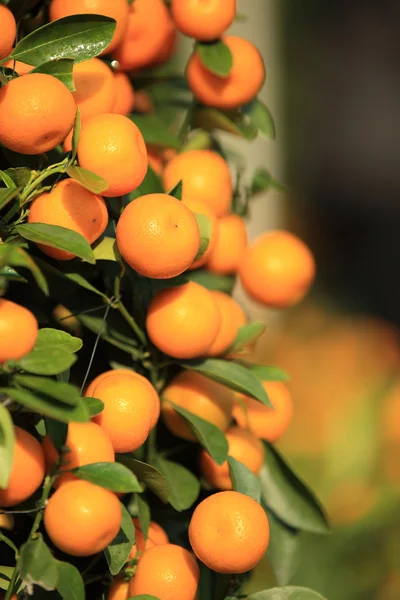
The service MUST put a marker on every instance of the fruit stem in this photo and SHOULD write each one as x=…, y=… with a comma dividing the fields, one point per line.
x=58, y=168
x=131, y=321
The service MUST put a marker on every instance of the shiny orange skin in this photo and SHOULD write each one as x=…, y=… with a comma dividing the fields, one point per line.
x=229, y=532
x=158, y=236
x=205, y=176
x=118, y=589
x=18, y=66
x=72, y=206
x=124, y=102
x=183, y=321
x=277, y=269
x=18, y=330
x=143, y=42
x=156, y=536
x=243, y=83
x=200, y=208
x=115, y=9
x=229, y=325
x=95, y=91
x=203, y=20
x=112, y=146
x=266, y=423
x=82, y=519
x=130, y=402
x=92, y=386
x=244, y=447
x=230, y=246
x=167, y=572
x=87, y=444
x=8, y=31
x=31, y=121
x=27, y=471
x=199, y=395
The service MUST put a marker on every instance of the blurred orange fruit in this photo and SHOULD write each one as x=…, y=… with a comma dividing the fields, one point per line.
x=229, y=327
x=118, y=589
x=124, y=102
x=156, y=536
x=229, y=247
x=158, y=236
x=95, y=89
x=199, y=207
x=205, y=21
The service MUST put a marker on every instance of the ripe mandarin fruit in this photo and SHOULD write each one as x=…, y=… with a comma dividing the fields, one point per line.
x=81, y=519
x=31, y=121
x=167, y=572
x=130, y=402
x=8, y=31
x=244, y=447
x=143, y=42
x=27, y=469
x=87, y=443
x=95, y=91
x=205, y=176
x=118, y=589
x=170, y=44
x=116, y=9
x=124, y=102
x=229, y=325
x=158, y=236
x=93, y=384
x=205, y=20
x=200, y=208
x=112, y=146
x=18, y=66
x=156, y=536
x=266, y=423
x=201, y=396
x=238, y=315
x=66, y=320
x=183, y=321
x=72, y=206
x=18, y=330
x=243, y=83
x=230, y=246
x=229, y=532
x=277, y=269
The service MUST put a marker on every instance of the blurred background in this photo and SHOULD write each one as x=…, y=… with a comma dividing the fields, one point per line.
x=333, y=86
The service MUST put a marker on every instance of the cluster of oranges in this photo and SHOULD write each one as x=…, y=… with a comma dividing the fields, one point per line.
x=159, y=237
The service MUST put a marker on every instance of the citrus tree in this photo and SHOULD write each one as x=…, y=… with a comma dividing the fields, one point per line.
x=122, y=233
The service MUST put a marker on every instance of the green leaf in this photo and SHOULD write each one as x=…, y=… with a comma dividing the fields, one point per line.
x=183, y=486
x=92, y=182
x=148, y=474
x=20, y=258
x=60, y=68
x=11, y=275
x=288, y=497
x=57, y=432
x=48, y=406
x=8, y=194
x=20, y=176
x=261, y=117
x=176, y=191
x=247, y=334
x=118, y=551
x=287, y=593
x=144, y=515
x=222, y=283
x=216, y=57
x=112, y=476
x=76, y=278
x=105, y=250
x=7, y=441
x=5, y=578
x=63, y=392
x=155, y=131
x=283, y=549
x=233, y=122
x=53, y=339
x=93, y=406
x=37, y=565
x=70, y=584
x=231, y=374
x=44, y=361
x=78, y=37
x=261, y=181
x=266, y=372
x=209, y=436
x=57, y=237
x=8, y=180
x=76, y=134
x=205, y=229
x=243, y=480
